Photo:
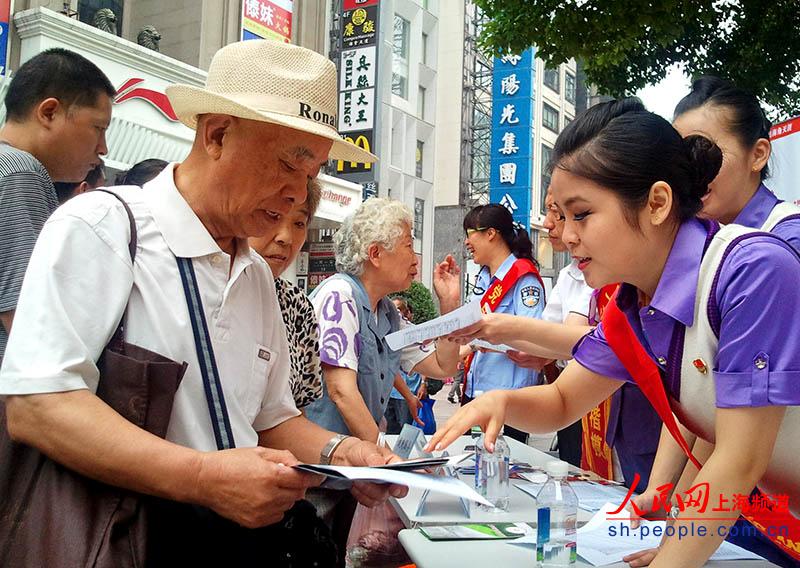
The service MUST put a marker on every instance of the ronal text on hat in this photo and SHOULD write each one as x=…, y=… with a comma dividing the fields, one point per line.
x=312, y=114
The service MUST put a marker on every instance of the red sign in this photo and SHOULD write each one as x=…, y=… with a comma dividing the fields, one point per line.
x=785, y=128
x=267, y=19
x=353, y=4
x=159, y=100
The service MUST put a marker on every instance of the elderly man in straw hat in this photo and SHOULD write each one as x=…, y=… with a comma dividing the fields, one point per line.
x=264, y=127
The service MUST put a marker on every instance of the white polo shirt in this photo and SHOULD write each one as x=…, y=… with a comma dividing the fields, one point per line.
x=571, y=294
x=80, y=279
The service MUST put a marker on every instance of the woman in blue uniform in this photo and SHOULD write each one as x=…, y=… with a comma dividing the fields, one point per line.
x=508, y=283
x=697, y=302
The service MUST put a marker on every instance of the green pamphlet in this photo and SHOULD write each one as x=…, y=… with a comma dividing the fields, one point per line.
x=483, y=531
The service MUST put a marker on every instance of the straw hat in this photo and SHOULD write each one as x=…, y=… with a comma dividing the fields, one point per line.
x=272, y=82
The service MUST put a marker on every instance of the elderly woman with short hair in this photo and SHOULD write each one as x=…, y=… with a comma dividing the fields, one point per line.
x=375, y=257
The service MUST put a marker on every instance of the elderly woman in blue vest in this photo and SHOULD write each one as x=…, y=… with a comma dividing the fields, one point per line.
x=508, y=283
x=375, y=257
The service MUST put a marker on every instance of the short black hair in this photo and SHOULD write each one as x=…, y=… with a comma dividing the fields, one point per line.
x=622, y=147
x=746, y=119
x=56, y=73
x=65, y=190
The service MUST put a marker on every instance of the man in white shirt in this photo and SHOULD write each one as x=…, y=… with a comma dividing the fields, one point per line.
x=264, y=127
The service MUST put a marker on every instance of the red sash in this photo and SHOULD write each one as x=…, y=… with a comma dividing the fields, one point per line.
x=596, y=455
x=495, y=294
x=623, y=341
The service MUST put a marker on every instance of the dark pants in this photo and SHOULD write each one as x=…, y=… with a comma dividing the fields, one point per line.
x=744, y=534
x=508, y=431
x=397, y=414
x=569, y=443
x=183, y=535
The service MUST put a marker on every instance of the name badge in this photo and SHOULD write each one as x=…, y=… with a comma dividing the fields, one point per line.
x=264, y=354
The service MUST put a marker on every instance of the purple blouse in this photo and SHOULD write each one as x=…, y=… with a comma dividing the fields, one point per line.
x=758, y=209
x=759, y=303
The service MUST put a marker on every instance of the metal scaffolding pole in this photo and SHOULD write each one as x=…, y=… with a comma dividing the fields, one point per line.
x=476, y=103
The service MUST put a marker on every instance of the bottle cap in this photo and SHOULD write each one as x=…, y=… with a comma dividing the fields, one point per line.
x=557, y=468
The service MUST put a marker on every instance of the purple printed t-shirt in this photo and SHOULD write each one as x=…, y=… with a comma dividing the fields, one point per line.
x=758, y=298
x=339, y=337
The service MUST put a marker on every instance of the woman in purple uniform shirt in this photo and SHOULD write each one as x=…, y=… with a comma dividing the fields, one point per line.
x=629, y=187
x=734, y=120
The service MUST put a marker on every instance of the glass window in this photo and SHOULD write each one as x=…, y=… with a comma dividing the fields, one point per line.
x=551, y=78
x=419, y=217
x=547, y=152
x=421, y=103
x=419, y=156
x=569, y=87
x=87, y=9
x=425, y=48
x=550, y=117
x=400, y=57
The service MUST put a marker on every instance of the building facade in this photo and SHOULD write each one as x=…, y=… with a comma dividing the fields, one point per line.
x=465, y=127
x=108, y=33
x=386, y=51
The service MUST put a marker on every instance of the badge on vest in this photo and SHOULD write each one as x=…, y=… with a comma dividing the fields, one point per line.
x=530, y=296
x=700, y=365
x=264, y=354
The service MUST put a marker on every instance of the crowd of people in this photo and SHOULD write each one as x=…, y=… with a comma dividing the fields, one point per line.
x=684, y=267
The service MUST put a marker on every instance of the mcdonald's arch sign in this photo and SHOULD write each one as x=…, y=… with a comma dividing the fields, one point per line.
x=362, y=139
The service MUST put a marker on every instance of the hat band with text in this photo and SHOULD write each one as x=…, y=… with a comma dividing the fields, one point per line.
x=260, y=102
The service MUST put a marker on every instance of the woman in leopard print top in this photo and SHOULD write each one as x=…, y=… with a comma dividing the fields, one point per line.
x=297, y=311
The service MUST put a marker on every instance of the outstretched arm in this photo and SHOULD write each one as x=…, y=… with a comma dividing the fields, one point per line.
x=544, y=408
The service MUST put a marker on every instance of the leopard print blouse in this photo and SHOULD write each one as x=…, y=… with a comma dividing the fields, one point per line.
x=303, y=336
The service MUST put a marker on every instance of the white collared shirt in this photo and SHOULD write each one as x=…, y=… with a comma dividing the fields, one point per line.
x=571, y=294
x=79, y=281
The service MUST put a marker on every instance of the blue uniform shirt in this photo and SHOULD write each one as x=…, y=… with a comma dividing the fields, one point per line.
x=491, y=371
x=413, y=381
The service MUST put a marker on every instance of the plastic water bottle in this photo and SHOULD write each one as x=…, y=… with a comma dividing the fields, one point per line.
x=556, y=543
x=491, y=472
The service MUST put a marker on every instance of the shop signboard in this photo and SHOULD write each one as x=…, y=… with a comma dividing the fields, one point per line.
x=267, y=19
x=5, y=16
x=358, y=73
x=511, y=163
x=785, y=160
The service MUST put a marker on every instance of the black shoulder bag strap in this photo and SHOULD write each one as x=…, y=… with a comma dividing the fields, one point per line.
x=218, y=411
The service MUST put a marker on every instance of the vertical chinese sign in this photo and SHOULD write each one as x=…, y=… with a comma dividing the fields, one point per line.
x=267, y=19
x=5, y=16
x=358, y=71
x=510, y=180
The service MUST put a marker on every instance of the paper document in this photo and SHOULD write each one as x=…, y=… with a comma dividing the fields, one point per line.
x=425, y=463
x=603, y=541
x=502, y=347
x=448, y=323
x=343, y=476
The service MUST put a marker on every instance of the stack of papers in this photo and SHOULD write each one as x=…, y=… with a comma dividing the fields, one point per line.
x=591, y=496
x=457, y=319
x=600, y=541
x=341, y=477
